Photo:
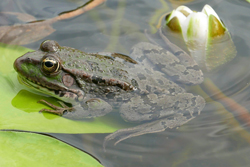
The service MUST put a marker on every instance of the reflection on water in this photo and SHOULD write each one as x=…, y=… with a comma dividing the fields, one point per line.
x=220, y=136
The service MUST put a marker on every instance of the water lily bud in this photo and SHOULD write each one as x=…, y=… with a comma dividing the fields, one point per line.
x=203, y=33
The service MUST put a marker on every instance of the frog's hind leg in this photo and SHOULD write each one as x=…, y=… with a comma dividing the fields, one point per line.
x=175, y=63
x=160, y=125
x=163, y=112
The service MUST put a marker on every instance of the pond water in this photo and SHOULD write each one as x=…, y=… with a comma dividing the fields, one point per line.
x=219, y=136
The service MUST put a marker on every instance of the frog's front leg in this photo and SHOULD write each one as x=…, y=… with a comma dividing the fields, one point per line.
x=160, y=112
x=89, y=109
x=55, y=109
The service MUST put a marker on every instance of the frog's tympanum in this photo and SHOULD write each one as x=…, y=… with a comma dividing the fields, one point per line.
x=144, y=88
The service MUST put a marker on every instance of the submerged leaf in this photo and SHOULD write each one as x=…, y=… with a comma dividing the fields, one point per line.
x=22, y=34
x=21, y=16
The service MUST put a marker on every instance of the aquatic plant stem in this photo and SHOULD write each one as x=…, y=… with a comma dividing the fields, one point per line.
x=79, y=11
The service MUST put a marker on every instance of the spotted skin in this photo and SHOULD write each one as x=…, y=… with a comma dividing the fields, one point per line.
x=143, y=87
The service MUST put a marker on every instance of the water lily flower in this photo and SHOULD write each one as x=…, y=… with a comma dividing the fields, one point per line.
x=205, y=35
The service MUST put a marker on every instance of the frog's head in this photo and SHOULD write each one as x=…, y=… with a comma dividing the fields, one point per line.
x=42, y=70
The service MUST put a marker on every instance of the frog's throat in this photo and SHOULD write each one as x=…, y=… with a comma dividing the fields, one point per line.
x=65, y=95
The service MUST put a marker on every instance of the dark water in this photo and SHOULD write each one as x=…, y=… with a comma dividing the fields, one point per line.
x=220, y=136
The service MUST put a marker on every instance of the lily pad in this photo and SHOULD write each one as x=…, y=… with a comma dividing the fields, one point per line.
x=19, y=107
x=30, y=149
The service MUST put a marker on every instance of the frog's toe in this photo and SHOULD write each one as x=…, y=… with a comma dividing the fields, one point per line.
x=122, y=134
x=57, y=112
x=151, y=127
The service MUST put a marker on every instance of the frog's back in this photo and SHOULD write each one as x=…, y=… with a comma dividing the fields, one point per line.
x=99, y=75
x=95, y=64
x=103, y=74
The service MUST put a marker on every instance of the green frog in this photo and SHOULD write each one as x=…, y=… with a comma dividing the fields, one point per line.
x=145, y=87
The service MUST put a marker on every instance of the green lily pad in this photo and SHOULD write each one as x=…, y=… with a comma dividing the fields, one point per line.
x=19, y=108
x=30, y=149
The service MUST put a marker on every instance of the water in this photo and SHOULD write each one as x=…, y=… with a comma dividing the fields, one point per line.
x=218, y=137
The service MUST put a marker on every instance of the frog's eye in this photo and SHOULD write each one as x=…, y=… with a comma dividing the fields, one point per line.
x=50, y=65
x=49, y=46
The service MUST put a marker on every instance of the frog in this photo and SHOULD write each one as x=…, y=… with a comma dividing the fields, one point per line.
x=145, y=87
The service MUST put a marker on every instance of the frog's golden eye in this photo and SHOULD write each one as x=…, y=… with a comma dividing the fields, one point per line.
x=50, y=65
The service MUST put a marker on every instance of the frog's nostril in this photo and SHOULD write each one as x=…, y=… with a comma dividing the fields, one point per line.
x=28, y=59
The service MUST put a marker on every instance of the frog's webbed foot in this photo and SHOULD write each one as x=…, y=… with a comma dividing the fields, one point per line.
x=56, y=110
x=151, y=127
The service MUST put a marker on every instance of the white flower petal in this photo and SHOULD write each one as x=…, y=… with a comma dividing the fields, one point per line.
x=195, y=27
x=185, y=10
x=208, y=10
x=181, y=17
x=195, y=32
x=175, y=20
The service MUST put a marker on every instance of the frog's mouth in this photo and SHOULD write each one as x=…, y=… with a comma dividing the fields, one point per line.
x=61, y=93
x=35, y=86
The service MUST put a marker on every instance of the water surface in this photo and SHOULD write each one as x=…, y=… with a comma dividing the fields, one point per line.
x=218, y=137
